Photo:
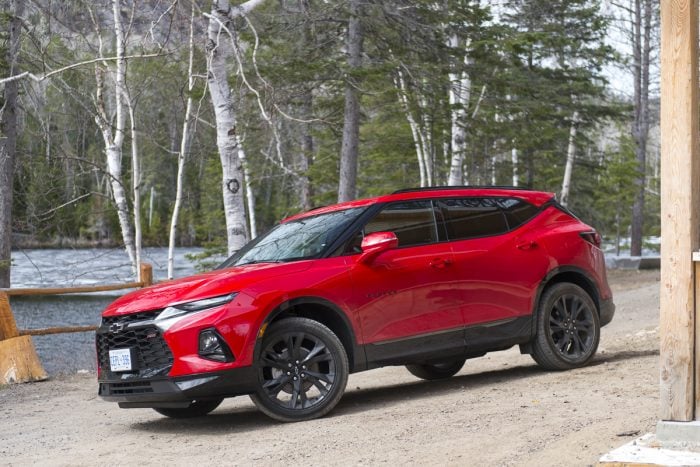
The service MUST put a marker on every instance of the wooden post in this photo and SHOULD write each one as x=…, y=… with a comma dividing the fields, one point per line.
x=146, y=274
x=19, y=362
x=8, y=326
x=679, y=206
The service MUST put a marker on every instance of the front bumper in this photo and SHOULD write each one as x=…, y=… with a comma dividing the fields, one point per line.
x=607, y=311
x=180, y=391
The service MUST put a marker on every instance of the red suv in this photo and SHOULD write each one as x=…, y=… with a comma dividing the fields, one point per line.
x=425, y=278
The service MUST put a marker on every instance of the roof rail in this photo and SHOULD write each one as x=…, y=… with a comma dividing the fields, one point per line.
x=466, y=187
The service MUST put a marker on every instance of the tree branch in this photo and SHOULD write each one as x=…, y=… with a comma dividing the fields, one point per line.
x=40, y=78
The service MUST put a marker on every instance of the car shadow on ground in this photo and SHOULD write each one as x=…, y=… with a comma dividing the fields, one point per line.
x=366, y=399
x=248, y=418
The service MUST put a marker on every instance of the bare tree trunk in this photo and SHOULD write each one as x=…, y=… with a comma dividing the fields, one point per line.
x=8, y=141
x=641, y=46
x=413, y=125
x=514, y=160
x=307, y=140
x=570, y=156
x=114, y=140
x=347, y=186
x=135, y=186
x=218, y=49
x=307, y=151
x=460, y=88
x=249, y=195
x=184, y=150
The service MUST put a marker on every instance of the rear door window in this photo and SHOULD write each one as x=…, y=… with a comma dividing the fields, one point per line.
x=466, y=218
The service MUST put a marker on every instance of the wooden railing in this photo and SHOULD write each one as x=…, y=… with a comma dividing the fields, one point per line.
x=19, y=361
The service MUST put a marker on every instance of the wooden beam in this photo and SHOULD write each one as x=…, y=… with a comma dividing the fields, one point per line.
x=69, y=290
x=680, y=193
x=57, y=330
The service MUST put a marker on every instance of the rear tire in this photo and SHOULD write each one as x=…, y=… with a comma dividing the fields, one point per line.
x=568, y=328
x=196, y=409
x=435, y=371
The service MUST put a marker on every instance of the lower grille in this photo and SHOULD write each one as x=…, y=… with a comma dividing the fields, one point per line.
x=119, y=389
x=152, y=356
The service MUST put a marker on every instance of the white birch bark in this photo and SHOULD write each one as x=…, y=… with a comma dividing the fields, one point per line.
x=413, y=125
x=218, y=50
x=135, y=186
x=249, y=195
x=184, y=150
x=426, y=140
x=570, y=156
x=114, y=139
x=459, y=94
x=514, y=160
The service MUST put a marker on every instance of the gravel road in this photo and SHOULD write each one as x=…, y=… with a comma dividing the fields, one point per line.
x=499, y=410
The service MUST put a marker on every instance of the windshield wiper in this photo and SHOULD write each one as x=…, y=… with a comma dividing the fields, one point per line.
x=258, y=261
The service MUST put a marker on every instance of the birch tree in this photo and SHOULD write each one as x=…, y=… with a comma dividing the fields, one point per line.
x=570, y=156
x=420, y=132
x=220, y=35
x=113, y=135
x=184, y=148
x=465, y=96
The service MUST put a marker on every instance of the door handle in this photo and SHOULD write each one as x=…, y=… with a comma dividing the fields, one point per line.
x=440, y=263
x=529, y=245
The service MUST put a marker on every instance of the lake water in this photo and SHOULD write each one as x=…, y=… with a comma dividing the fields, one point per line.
x=68, y=353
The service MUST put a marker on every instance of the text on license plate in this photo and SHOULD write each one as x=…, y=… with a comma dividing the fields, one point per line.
x=120, y=359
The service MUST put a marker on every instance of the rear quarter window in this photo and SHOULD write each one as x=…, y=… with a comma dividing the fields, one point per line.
x=517, y=211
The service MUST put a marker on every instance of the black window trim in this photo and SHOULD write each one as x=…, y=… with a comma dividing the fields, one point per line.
x=539, y=210
x=442, y=236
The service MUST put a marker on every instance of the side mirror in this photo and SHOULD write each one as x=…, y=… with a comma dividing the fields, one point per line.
x=376, y=243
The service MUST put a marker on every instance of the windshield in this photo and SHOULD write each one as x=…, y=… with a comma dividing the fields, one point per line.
x=294, y=240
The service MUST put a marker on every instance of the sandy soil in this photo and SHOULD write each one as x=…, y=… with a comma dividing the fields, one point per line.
x=500, y=410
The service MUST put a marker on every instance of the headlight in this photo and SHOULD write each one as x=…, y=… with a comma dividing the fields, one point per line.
x=172, y=314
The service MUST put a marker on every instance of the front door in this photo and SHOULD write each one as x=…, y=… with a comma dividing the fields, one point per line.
x=405, y=298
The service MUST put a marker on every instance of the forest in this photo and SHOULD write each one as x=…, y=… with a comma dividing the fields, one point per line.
x=186, y=122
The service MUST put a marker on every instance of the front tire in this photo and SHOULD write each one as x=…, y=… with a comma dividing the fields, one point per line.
x=568, y=328
x=435, y=371
x=302, y=371
x=195, y=409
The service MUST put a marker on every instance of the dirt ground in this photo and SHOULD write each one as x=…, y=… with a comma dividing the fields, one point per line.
x=499, y=410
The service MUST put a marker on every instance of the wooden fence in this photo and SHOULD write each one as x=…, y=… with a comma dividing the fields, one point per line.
x=19, y=362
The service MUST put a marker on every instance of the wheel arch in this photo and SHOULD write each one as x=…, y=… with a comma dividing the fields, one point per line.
x=569, y=274
x=326, y=313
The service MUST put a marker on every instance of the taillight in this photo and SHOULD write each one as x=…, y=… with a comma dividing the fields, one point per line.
x=592, y=237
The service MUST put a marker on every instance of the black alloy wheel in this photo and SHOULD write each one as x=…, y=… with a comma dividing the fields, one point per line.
x=302, y=370
x=196, y=409
x=441, y=370
x=568, y=328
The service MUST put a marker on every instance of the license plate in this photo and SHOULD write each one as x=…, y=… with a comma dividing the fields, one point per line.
x=120, y=359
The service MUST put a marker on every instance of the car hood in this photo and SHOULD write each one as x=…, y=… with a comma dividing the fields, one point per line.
x=200, y=286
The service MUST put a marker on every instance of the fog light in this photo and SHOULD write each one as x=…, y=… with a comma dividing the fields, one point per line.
x=213, y=347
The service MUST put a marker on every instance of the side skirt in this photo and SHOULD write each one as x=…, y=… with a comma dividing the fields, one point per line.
x=469, y=342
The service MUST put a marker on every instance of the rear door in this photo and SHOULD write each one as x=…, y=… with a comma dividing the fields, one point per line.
x=497, y=262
